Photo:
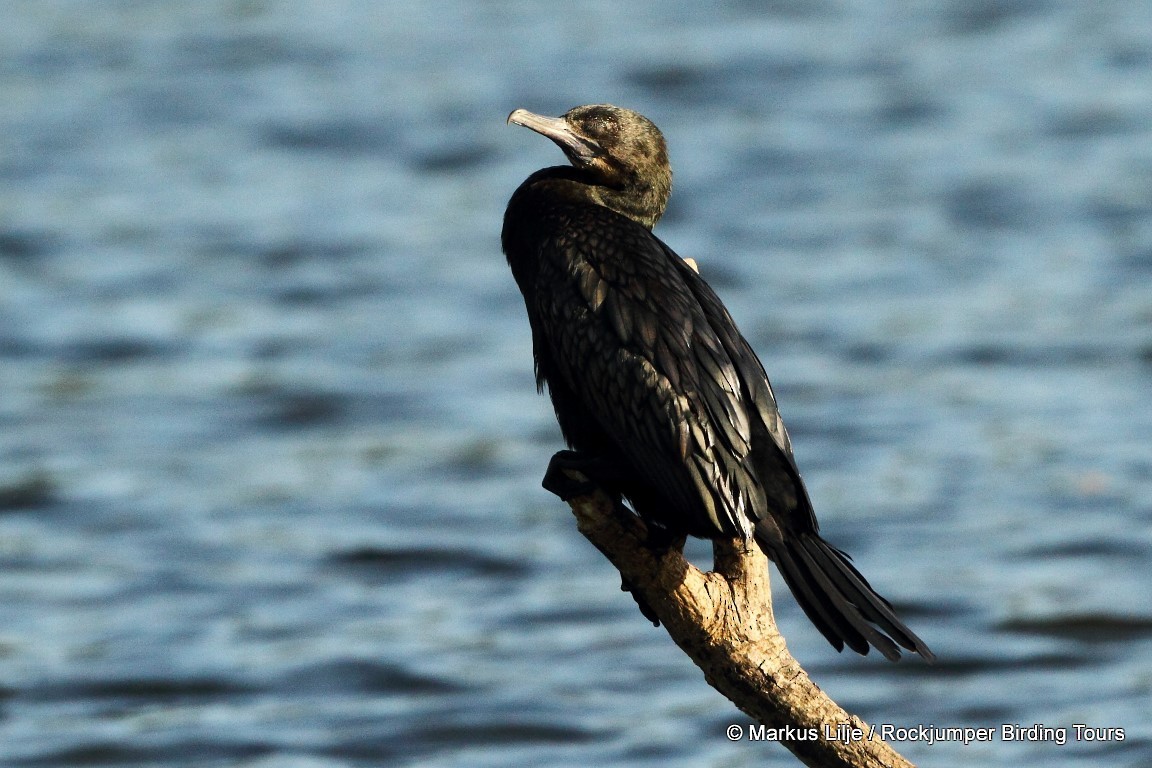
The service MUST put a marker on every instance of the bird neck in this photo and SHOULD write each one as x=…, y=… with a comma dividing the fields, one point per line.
x=642, y=200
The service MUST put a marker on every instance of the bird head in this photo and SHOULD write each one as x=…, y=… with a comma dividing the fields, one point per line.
x=620, y=151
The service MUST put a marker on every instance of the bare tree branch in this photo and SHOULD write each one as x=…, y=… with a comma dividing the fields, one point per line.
x=723, y=620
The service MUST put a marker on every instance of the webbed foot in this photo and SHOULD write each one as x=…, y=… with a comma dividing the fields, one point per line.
x=558, y=481
x=641, y=603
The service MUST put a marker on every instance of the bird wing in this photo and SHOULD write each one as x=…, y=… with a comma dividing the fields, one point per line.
x=660, y=365
x=774, y=460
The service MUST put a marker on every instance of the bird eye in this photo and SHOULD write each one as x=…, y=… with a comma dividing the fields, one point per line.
x=604, y=125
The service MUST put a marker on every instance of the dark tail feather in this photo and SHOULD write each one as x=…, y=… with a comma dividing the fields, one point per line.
x=838, y=599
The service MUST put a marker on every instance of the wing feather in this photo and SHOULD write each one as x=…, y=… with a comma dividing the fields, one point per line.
x=688, y=431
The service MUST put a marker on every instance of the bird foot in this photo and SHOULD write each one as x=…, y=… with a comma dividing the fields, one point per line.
x=661, y=540
x=597, y=473
x=641, y=603
x=558, y=480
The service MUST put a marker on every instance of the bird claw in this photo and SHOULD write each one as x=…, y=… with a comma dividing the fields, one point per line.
x=558, y=480
x=641, y=603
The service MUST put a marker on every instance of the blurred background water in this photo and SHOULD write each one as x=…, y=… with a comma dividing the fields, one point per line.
x=270, y=447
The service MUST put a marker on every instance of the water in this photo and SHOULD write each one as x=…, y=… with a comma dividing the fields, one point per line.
x=270, y=443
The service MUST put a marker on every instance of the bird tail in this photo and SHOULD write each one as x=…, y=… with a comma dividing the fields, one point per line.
x=837, y=598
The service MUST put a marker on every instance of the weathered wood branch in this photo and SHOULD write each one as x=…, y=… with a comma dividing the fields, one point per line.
x=723, y=620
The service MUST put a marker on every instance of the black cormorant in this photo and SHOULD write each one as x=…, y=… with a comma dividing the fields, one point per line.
x=656, y=391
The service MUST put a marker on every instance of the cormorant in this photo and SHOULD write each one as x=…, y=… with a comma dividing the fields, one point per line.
x=656, y=391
